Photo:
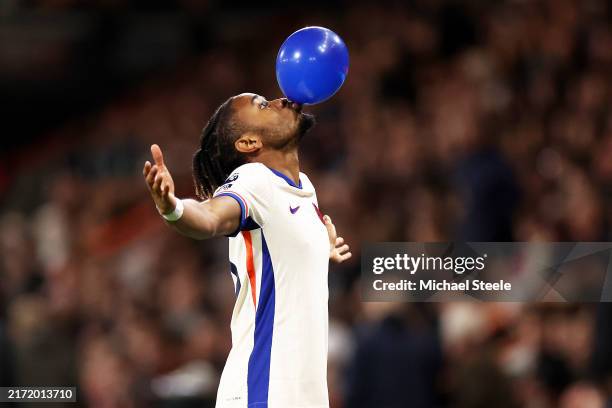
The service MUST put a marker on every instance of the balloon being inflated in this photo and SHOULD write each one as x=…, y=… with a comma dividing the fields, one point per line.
x=312, y=65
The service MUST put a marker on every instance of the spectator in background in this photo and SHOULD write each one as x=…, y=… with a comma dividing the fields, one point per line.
x=499, y=117
x=397, y=359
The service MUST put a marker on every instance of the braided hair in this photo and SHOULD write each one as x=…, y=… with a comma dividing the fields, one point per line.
x=217, y=157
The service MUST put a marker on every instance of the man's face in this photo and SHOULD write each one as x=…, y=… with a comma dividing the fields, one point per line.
x=278, y=122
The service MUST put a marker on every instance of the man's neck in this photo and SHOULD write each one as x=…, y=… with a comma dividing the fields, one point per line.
x=285, y=161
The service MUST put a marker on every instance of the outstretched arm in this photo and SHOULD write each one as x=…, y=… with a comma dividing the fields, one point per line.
x=200, y=220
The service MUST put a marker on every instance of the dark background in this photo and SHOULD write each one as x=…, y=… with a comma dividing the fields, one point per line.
x=459, y=120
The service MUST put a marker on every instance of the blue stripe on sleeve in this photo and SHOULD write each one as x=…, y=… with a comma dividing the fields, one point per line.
x=243, y=215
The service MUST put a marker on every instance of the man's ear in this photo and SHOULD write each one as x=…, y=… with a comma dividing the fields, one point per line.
x=248, y=142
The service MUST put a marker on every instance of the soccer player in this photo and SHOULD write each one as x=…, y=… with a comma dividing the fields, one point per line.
x=247, y=172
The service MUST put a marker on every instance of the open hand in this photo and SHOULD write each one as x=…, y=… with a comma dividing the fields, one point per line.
x=159, y=181
x=338, y=250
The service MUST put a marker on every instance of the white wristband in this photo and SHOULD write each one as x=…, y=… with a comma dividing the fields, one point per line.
x=176, y=214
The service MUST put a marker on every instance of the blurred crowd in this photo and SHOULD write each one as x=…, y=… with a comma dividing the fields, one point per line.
x=475, y=121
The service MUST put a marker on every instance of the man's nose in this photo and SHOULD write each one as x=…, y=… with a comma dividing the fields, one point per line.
x=281, y=102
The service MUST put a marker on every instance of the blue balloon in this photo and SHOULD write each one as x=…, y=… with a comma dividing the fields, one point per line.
x=311, y=65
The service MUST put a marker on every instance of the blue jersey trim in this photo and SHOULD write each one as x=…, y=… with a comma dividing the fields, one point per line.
x=249, y=225
x=246, y=223
x=287, y=179
x=243, y=215
x=234, y=272
x=258, y=377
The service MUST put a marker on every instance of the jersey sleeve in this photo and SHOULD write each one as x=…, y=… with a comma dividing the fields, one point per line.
x=251, y=188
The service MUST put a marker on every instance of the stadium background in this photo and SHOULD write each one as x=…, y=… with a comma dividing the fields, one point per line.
x=473, y=120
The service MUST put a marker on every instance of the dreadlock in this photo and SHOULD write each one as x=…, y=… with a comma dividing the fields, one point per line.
x=217, y=157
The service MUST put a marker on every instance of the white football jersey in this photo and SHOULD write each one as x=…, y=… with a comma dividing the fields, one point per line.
x=279, y=260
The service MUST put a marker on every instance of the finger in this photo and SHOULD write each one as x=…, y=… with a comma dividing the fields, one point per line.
x=157, y=183
x=151, y=176
x=346, y=256
x=339, y=241
x=331, y=229
x=157, y=155
x=343, y=249
x=147, y=168
x=165, y=188
x=341, y=258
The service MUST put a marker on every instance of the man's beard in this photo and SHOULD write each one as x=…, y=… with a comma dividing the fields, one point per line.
x=281, y=141
x=307, y=121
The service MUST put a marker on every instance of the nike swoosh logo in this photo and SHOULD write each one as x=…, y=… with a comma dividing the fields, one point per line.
x=294, y=210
